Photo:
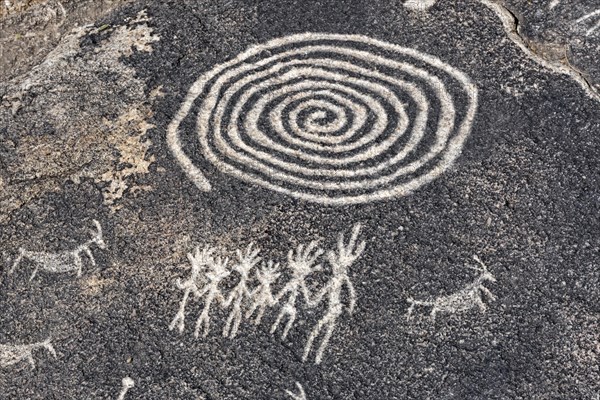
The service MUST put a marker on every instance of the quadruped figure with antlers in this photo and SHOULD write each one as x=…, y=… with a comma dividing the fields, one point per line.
x=64, y=261
x=13, y=354
x=340, y=261
x=465, y=299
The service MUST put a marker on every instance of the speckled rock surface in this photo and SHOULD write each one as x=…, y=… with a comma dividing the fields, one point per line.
x=148, y=126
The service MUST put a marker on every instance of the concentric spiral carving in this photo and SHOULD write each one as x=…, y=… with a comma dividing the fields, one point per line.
x=328, y=118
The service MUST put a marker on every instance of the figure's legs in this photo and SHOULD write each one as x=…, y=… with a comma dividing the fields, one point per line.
x=203, y=319
x=50, y=349
x=261, y=312
x=233, y=321
x=179, y=319
x=288, y=326
x=325, y=341
x=31, y=360
x=434, y=310
x=78, y=264
x=277, y=321
x=236, y=323
x=17, y=260
x=34, y=272
x=251, y=309
x=313, y=335
x=227, y=327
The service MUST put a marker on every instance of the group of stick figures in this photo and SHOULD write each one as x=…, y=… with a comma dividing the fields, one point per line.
x=208, y=271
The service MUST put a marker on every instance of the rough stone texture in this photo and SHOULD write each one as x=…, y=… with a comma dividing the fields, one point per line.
x=83, y=137
x=30, y=29
x=558, y=31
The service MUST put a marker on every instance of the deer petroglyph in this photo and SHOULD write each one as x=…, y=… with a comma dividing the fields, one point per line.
x=64, y=261
x=13, y=354
x=465, y=299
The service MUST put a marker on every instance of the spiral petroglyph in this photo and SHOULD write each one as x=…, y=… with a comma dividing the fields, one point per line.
x=329, y=118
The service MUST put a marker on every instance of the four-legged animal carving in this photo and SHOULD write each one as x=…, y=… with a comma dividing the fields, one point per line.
x=63, y=261
x=469, y=297
x=13, y=354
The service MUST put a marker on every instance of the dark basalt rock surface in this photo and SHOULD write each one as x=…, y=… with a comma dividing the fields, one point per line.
x=84, y=137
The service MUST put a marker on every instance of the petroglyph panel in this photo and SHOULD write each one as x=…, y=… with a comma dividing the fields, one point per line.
x=209, y=270
x=333, y=119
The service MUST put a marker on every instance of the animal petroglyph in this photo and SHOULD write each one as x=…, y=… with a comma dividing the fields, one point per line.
x=13, y=354
x=328, y=118
x=465, y=299
x=248, y=300
x=126, y=384
x=300, y=396
x=64, y=261
x=593, y=16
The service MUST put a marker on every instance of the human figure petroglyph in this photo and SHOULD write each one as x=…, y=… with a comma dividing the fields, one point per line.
x=217, y=272
x=246, y=261
x=262, y=297
x=199, y=261
x=300, y=396
x=249, y=299
x=302, y=263
x=13, y=354
x=340, y=261
x=465, y=299
x=126, y=384
x=63, y=261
